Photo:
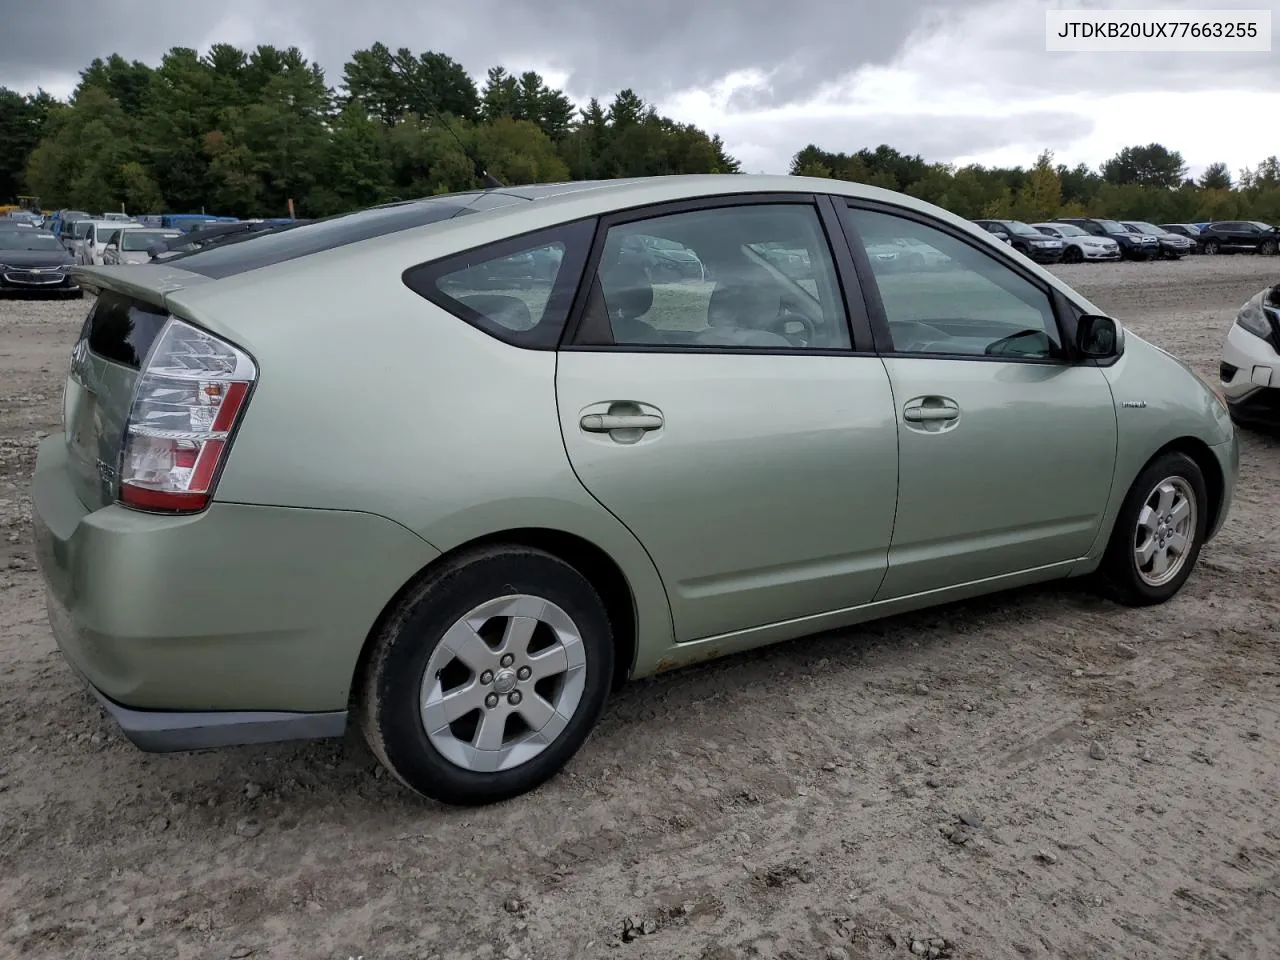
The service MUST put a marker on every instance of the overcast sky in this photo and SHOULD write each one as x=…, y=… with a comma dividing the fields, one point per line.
x=954, y=80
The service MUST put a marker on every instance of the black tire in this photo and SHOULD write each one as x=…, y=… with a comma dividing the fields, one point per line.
x=1072, y=254
x=1118, y=576
x=1211, y=247
x=1267, y=248
x=389, y=711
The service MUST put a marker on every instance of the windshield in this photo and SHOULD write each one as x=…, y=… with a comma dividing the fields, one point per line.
x=1260, y=224
x=81, y=229
x=1145, y=227
x=28, y=240
x=1110, y=226
x=135, y=240
x=1069, y=230
x=1020, y=228
x=106, y=236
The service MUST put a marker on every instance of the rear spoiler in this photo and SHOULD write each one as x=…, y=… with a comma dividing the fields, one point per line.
x=148, y=282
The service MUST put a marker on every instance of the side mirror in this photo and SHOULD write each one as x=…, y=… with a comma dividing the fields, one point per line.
x=1097, y=337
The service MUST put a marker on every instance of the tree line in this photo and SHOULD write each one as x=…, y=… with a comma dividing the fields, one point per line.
x=244, y=132
x=1139, y=183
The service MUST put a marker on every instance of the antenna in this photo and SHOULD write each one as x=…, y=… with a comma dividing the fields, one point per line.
x=481, y=173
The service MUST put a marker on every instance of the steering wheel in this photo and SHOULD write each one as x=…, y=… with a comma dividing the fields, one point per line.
x=808, y=334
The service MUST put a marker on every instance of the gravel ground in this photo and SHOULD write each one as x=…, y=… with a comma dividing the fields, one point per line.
x=1036, y=774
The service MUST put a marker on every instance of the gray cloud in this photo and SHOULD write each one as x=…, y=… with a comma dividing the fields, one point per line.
x=656, y=47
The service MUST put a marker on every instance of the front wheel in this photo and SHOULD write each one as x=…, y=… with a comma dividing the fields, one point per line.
x=1072, y=254
x=488, y=677
x=1158, y=533
x=1267, y=248
x=1211, y=247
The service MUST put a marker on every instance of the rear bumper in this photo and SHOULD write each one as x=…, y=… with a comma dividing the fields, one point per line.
x=171, y=731
x=241, y=624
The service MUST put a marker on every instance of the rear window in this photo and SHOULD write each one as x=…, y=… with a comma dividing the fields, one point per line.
x=519, y=290
x=264, y=249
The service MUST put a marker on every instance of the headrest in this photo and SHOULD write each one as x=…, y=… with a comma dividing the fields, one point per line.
x=627, y=291
x=744, y=299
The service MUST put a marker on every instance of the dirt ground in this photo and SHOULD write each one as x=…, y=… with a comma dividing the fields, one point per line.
x=1036, y=774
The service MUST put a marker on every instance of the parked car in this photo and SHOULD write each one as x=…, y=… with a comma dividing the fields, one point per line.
x=1250, y=368
x=1240, y=236
x=131, y=247
x=1077, y=245
x=1173, y=246
x=1189, y=230
x=1133, y=246
x=100, y=233
x=513, y=501
x=1026, y=239
x=33, y=261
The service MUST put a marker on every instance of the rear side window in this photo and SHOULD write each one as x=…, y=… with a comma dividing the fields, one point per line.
x=519, y=290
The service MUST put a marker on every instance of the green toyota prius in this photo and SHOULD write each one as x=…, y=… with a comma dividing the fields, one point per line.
x=455, y=468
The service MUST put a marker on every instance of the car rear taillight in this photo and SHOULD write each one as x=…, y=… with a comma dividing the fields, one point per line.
x=190, y=394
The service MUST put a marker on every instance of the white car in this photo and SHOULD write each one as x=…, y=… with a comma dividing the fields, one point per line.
x=97, y=235
x=1250, y=369
x=1079, y=245
x=131, y=247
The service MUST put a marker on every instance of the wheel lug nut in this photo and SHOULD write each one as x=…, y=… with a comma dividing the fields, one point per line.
x=524, y=673
x=507, y=660
x=491, y=700
x=514, y=697
x=487, y=677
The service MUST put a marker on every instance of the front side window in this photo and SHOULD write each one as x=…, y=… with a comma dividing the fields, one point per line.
x=745, y=276
x=519, y=290
x=959, y=302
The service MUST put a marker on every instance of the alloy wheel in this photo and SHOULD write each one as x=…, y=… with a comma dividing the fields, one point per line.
x=1165, y=529
x=503, y=683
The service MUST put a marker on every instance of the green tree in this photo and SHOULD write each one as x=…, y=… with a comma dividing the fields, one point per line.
x=1041, y=193
x=1153, y=166
x=22, y=123
x=1216, y=176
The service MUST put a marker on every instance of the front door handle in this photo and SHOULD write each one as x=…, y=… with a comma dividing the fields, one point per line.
x=609, y=422
x=933, y=414
x=925, y=414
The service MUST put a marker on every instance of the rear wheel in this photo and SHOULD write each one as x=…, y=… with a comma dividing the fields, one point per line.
x=1212, y=246
x=488, y=677
x=1158, y=533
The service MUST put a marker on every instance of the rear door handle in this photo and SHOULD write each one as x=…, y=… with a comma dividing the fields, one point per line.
x=609, y=422
x=925, y=414
x=927, y=410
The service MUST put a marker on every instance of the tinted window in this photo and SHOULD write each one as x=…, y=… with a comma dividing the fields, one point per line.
x=519, y=290
x=959, y=302
x=135, y=240
x=33, y=241
x=262, y=249
x=122, y=329
x=750, y=276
